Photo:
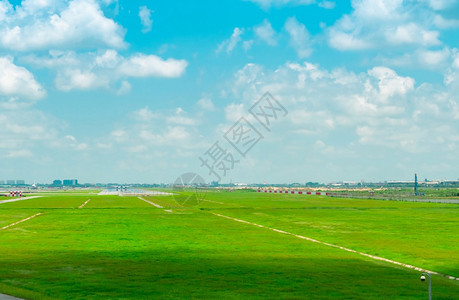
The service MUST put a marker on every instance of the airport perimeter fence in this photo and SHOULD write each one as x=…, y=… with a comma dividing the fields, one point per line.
x=395, y=198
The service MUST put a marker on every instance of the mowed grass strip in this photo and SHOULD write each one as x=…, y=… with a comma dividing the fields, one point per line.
x=116, y=202
x=421, y=234
x=144, y=253
x=48, y=202
x=8, y=216
x=255, y=200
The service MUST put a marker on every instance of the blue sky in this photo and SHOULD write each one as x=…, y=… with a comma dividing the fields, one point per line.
x=139, y=91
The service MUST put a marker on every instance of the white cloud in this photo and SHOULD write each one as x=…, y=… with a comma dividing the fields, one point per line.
x=377, y=9
x=95, y=70
x=145, y=18
x=299, y=37
x=119, y=135
x=234, y=112
x=347, y=41
x=434, y=58
x=206, y=104
x=145, y=114
x=110, y=59
x=16, y=81
x=24, y=131
x=327, y=4
x=55, y=59
x=81, y=80
x=81, y=24
x=180, y=118
x=229, y=44
x=246, y=45
x=444, y=23
x=125, y=88
x=377, y=108
x=268, y=3
x=266, y=33
x=147, y=117
x=22, y=153
x=142, y=65
x=158, y=133
x=390, y=83
x=412, y=34
x=71, y=141
x=375, y=24
x=441, y=4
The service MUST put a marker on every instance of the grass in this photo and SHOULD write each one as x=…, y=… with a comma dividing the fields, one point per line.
x=122, y=247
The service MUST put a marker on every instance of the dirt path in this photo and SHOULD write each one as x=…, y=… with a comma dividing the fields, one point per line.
x=23, y=220
x=83, y=205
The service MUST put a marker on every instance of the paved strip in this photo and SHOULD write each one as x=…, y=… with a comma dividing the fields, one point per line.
x=19, y=199
x=340, y=247
x=15, y=223
x=82, y=205
x=154, y=204
x=8, y=297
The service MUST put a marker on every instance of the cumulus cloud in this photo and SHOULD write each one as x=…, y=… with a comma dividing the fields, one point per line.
x=16, y=81
x=441, y=4
x=24, y=131
x=206, y=104
x=80, y=80
x=154, y=133
x=125, y=88
x=144, y=114
x=95, y=70
x=268, y=3
x=145, y=18
x=71, y=141
x=266, y=33
x=327, y=4
x=142, y=65
x=299, y=37
x=444, y=23
x=389, y=83
x=434, y=58
x=412, y=34
x=385, y=23
x=379, y=107
x=43, y=25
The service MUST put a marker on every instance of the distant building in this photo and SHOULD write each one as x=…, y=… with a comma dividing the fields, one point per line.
x=20, y=182
x=2, y=182
x=70, y=182
x=57, y=182
x=11, y=182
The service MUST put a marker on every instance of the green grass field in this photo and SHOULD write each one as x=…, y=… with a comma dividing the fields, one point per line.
x=123, y=247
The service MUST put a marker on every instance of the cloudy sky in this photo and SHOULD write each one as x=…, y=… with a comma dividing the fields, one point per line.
x=143, y=91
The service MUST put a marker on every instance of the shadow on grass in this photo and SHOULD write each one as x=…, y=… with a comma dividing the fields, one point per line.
x=180, y=273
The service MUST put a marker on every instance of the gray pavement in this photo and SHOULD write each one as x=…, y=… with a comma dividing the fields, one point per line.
x=7, y=297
